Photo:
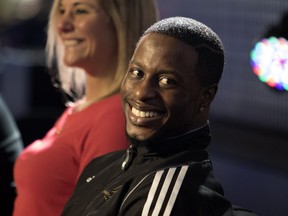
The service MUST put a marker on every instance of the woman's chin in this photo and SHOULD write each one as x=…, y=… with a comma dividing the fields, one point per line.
x=73, y=62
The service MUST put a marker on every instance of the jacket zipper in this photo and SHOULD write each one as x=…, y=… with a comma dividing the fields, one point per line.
x=130, y=154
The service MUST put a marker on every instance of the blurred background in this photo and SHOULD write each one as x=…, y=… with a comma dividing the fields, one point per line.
x=249, y=118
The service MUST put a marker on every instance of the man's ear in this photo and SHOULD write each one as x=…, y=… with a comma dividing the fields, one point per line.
x=208, y=94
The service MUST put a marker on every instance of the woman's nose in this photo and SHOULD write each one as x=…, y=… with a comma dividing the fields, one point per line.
x=65, y=24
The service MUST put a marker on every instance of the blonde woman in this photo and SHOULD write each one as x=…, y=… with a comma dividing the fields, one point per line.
x=91, y=42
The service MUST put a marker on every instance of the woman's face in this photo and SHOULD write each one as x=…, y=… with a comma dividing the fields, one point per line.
x=88, y=35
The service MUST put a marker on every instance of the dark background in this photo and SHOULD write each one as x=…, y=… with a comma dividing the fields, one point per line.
x=249, y=120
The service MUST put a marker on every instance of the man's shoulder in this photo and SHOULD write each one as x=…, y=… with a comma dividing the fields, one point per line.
x=108, y=158
x=101, y=164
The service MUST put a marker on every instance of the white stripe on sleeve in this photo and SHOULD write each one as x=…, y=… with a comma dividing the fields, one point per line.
x=163, y=192
x=175, y=191
x=152, y=193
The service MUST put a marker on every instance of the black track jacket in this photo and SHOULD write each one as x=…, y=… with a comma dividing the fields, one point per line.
x=172, y=177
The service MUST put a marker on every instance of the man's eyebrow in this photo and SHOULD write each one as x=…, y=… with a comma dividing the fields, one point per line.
x=135, y=63
x=159, y=71
x=171, y=72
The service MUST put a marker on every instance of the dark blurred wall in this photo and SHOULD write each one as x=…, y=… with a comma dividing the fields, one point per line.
x=24, y=79
x=241, y=97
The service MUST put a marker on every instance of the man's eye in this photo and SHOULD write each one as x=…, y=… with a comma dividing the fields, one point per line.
x=167, y=82
x=136, y=73
x=164, y=81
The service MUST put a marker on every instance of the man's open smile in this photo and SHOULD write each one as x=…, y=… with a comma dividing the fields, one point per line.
x=144, y=115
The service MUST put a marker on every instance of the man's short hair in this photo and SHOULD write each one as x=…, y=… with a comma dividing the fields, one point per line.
x=202, y=38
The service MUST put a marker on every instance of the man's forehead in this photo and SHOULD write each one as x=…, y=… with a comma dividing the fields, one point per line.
x=165, y=48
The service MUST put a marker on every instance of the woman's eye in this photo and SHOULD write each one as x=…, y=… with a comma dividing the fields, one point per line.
x=80, y=11
x=61, y=11
x=77, y=11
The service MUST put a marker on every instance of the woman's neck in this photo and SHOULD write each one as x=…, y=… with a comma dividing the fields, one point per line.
x=96, y=90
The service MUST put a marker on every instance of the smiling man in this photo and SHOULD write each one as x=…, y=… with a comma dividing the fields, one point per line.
x=162, y=93
x=170, y=83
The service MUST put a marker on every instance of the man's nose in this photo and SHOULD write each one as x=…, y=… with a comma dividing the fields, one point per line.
x=145, y=90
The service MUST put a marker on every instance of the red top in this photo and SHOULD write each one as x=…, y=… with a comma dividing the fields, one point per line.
x=46, y=172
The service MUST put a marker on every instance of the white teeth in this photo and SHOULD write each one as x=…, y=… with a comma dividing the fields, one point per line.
x=143, y=114
x=70, y=42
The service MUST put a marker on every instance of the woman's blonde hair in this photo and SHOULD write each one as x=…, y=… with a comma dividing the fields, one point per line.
x=130, y=17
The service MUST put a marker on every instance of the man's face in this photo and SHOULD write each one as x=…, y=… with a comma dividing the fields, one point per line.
x=160, y=92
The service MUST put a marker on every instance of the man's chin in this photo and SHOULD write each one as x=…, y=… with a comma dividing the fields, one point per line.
x=139, y=141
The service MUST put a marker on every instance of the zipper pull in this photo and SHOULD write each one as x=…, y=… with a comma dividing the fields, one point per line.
x=107, y=194
x=130, y=153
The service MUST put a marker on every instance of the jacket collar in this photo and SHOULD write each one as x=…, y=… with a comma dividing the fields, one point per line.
x=197, y=139
x=188, y=144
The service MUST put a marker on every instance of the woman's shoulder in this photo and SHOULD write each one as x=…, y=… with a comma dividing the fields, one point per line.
x=108, y=105
x=112, y=101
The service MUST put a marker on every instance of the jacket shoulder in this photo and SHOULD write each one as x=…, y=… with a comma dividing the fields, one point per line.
x=102, y=163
